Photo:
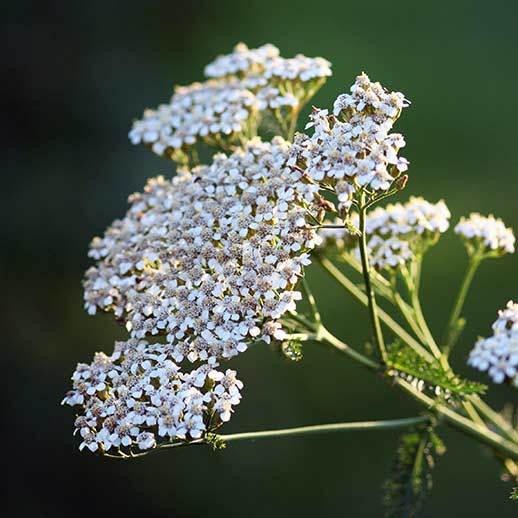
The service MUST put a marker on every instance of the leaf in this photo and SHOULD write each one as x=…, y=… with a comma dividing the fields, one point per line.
x=514, y=494
x=410, y=478
x=406, y=360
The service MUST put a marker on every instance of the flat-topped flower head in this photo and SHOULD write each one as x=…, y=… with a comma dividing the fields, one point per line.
x=225, y=109
x=210, y=259
x=498, y=354
x=371, y=101
x=211, y=112
x=139, y=398
x=356, y=152
x=242, y=61
x=299, y=68
x=266, y=62
x=395, y=233
x=486, y=235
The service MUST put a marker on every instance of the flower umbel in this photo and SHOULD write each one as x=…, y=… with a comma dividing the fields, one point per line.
x=355, y=151
x=139, y=398
x=486, y=235
x=498, y=354
x=210, y=259
x=396, y=233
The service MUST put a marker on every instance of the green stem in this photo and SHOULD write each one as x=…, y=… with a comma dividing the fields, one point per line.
x=358, y=294
x=451, y=334
x=413, y=283
x=327, y=337
x=388, y=424
x=509, y=448
x=387, y=291
x=465, y=425
x=311, y=301
x=371, y=298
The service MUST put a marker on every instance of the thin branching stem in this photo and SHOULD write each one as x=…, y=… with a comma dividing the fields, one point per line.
x=451, y=335
x=387, y=424
x=311, y=301
x=371, y=297
x=358, y=294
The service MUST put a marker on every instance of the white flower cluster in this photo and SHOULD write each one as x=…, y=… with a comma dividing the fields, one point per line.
x=199, y=111
x=379, y=107
x=138, y=397
x=266, y=62
x=358, y=151
x=498, y=354
x=211, y=258
x=396, y=232
x=486, y=232
x=242, y=60
x=218, y=111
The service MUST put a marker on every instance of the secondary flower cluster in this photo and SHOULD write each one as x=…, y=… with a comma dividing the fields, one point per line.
x=138, y=398
x=397, y=232
x=211, y=258
x=356, y=151
x=486, y=234
x=199, y=111
x=225, y=107
x=498, y=354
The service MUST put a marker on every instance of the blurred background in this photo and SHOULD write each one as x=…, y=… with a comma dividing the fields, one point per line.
x=75, y=75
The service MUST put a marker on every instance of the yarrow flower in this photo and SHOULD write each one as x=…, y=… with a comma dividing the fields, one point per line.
x=357, y=151
x=487, y=235
x=397, y=232
x=242, y=60
x=202, y=111
x=498, y=354
x=211, y=258
x=265, y=63
x=226, y=107
x=139, y=398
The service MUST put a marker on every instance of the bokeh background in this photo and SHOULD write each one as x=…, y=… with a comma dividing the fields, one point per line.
x=74, y=76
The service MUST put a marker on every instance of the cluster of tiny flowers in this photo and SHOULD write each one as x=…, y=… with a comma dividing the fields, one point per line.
x=396, y=232
x=486, y=232
x=138, y=397
x=211, y=258
x=240, y=85
x=266, y=63
x=357, y=151
x=199, y=111
x=242, y=61
x=498, y=354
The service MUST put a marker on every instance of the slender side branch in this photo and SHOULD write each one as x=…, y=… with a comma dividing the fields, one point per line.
x=371, y=297
x=312, y=302
x=388, y=424
x=463, y=424
x=358, y=294
x=327, y=337
x=387, y=291
x=451, y=334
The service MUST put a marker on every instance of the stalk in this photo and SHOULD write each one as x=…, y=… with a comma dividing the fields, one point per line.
x=451, y=335
x=358, y=294
x=387, y=424
x=371, y=298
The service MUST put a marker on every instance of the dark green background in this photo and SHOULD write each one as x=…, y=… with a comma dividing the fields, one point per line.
x=74, y=76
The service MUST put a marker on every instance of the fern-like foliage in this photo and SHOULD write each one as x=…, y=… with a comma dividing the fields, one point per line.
x=405, y=360
x=514, y=494
x=410, y=478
